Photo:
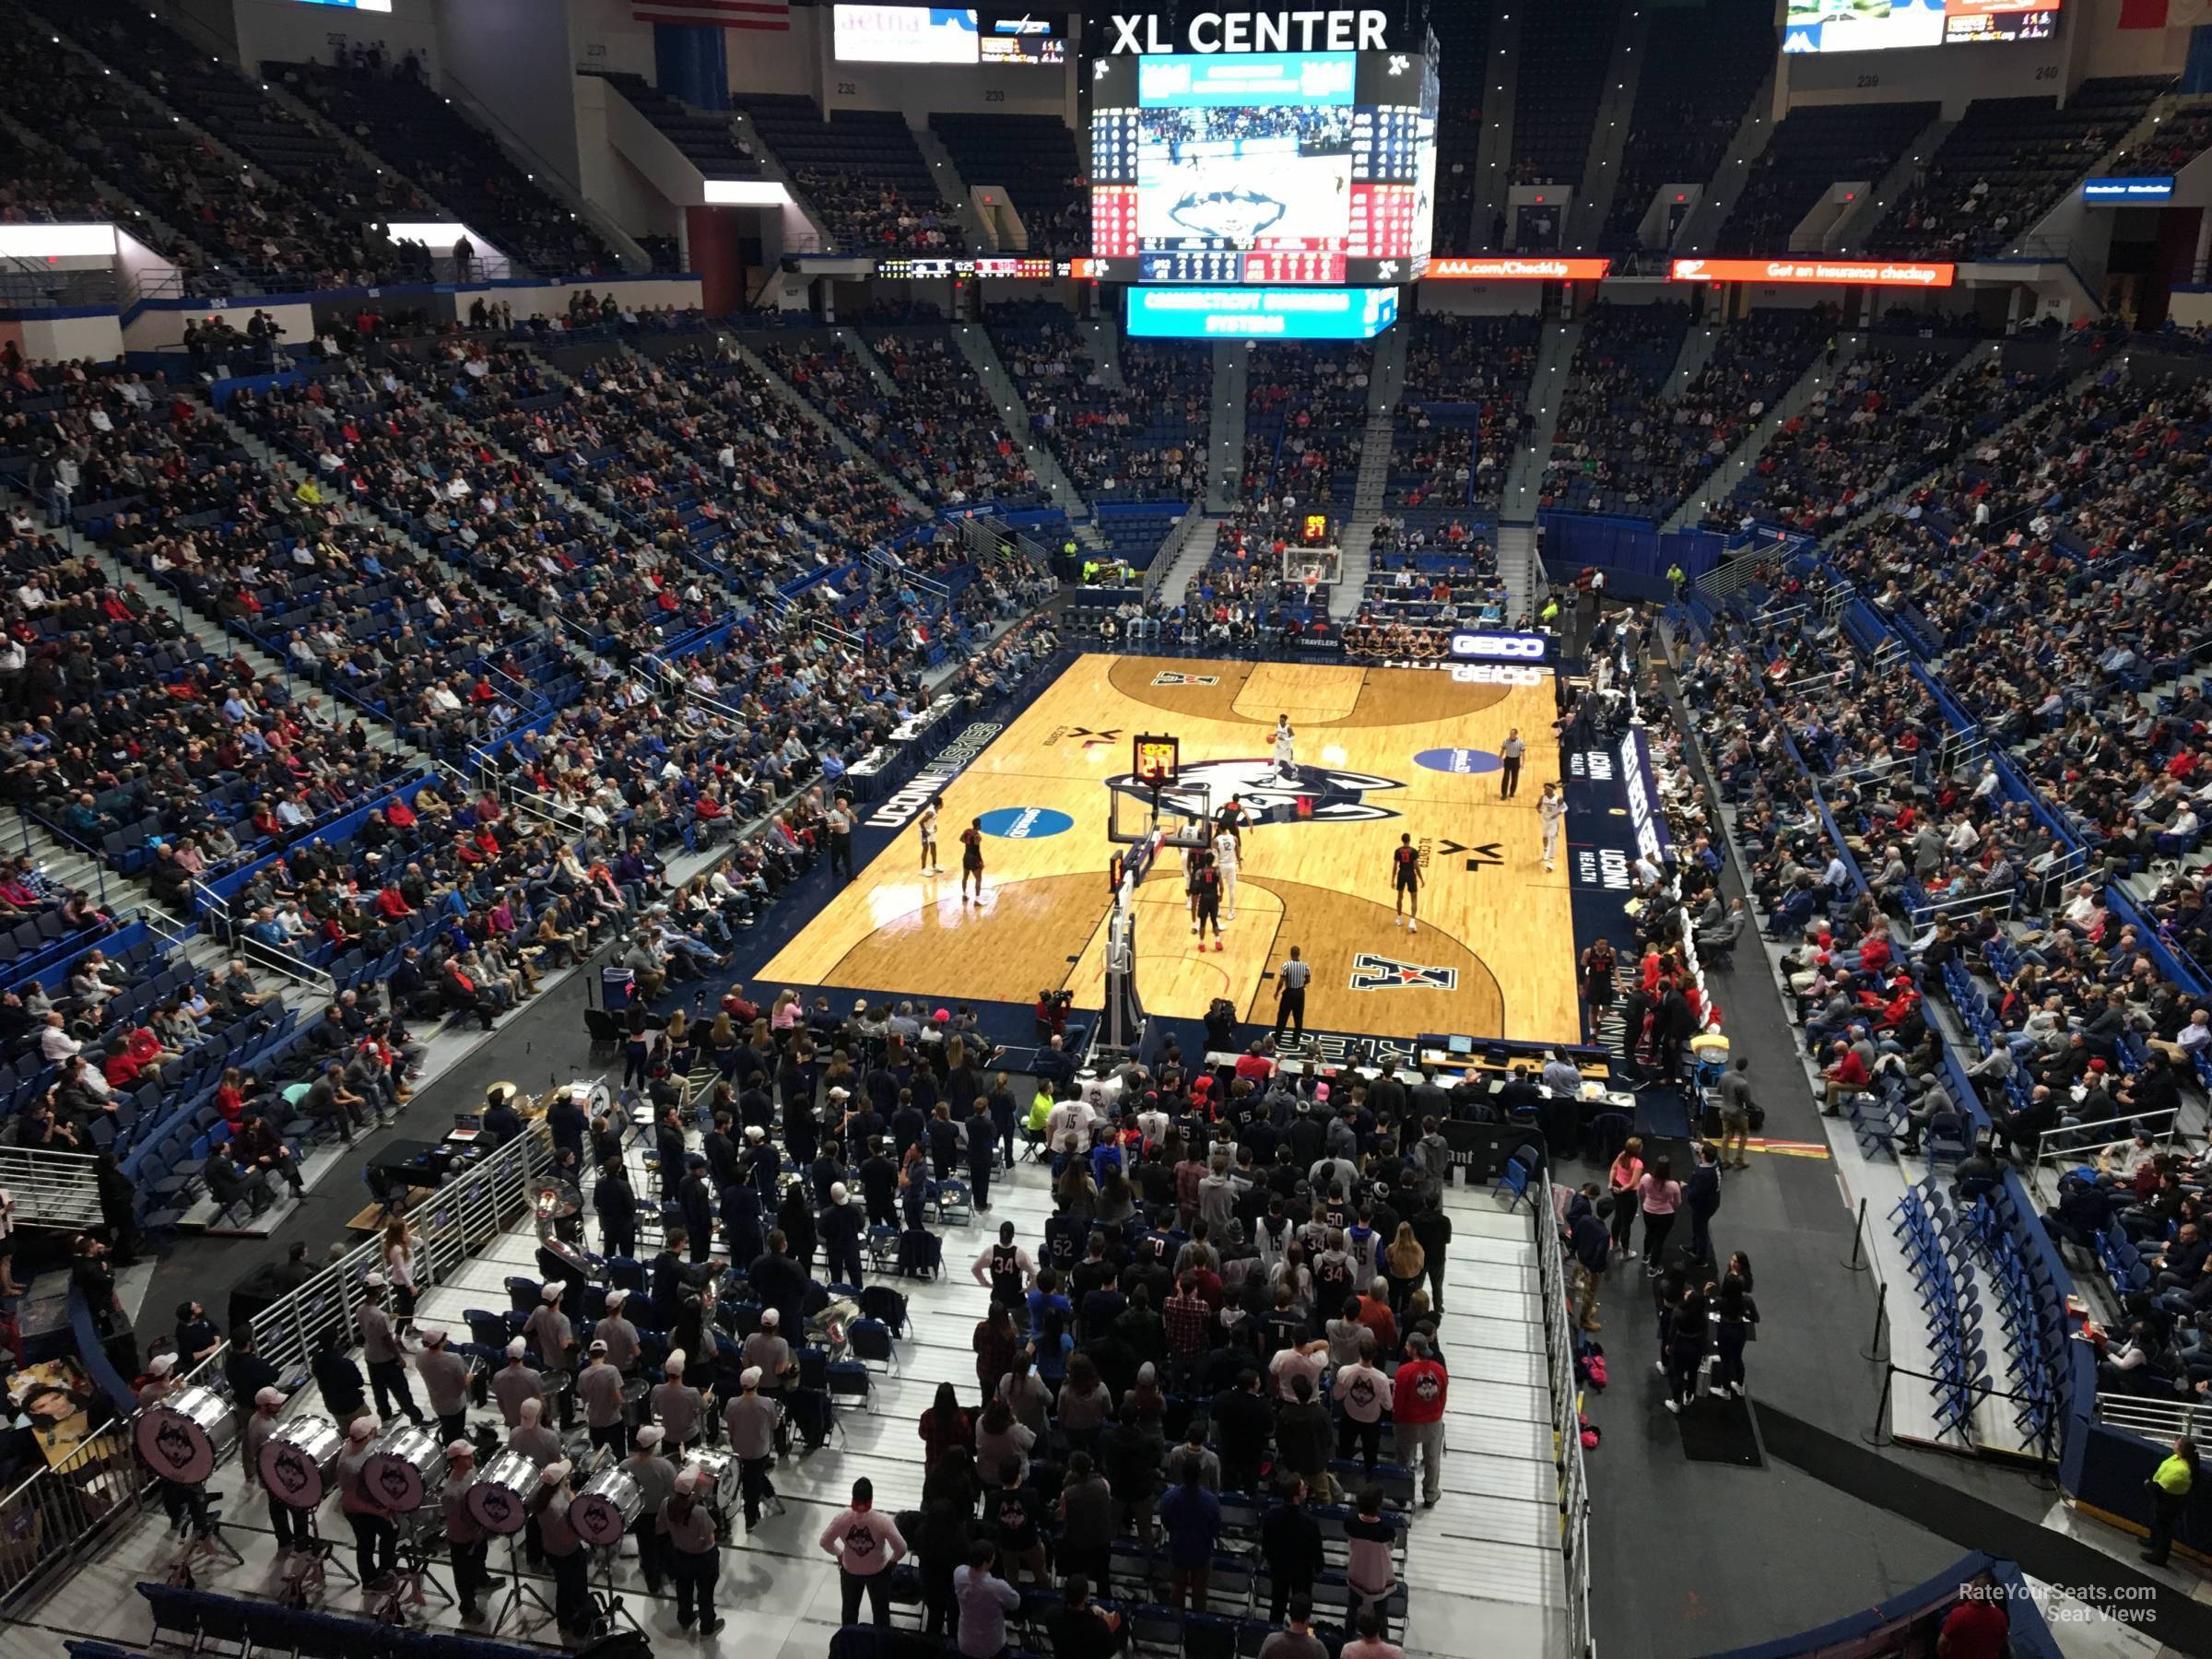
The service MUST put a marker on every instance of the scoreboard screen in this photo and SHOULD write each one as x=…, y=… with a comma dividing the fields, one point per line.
x=1824, y=25
x=1284, y=167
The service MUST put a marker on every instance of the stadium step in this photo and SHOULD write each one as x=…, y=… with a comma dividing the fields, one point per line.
x=866, y=359
x=1701, y=226
x=1225, y=459
x=1525, y=473
x=807, y=411
x=1105, y=342
x=982, y=235
x=1740, y=461
x=975, y=344
x=1494, y=148
x=1859, y=221
x=1518, y=565
x=1609, y=134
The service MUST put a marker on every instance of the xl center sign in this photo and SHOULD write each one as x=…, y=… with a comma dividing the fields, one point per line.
x=1212, y=32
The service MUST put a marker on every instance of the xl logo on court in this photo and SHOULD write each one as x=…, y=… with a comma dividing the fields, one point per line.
x=1170, y=676
x=1318, y=794
x=1372, y=972
x=1084, y=737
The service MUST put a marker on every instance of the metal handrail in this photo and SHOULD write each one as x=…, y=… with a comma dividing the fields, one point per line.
x=2152, y=1419
x=262, y=954
x=1932, y=909
x=2046, y=1141
x=1566, y=1424
x=65, y=1513
x=51, y=1189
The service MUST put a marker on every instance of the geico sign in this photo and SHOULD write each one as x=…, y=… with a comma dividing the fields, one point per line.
x=1496, y=673
x=1501, y=647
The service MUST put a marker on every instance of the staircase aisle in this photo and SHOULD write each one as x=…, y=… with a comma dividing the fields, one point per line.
x=1193, y=545
x=1483, y=1567
x=976, y=345
x=1225, y=458
x=837, y=436
x=1525, y=473
x=1745, y=457
x=1355, y=537
x=1519, y=568
x=1608, y=135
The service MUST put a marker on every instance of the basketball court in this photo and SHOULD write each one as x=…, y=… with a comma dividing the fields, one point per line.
x=1380, y=753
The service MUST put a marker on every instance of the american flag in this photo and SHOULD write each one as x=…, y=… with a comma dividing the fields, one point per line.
x=716, y=13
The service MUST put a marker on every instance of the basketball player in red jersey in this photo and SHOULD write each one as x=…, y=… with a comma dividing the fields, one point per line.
x=1206, y=891
x=972, y=859
x=1406, y=883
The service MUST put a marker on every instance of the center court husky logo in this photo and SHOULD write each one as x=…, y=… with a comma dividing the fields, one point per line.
x=1320, y=795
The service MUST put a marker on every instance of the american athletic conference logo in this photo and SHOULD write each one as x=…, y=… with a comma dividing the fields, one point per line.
x=1372, y=972
x=1319, y=794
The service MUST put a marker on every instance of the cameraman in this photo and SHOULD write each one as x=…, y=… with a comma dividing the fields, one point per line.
x=1052, y=1013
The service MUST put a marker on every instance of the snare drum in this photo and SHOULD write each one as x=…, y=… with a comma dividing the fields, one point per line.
x=607, y=1508
x=499, y=1499
x=296, y=1461
x=404, y=1471
x=718, y=1479
x=183, y=1437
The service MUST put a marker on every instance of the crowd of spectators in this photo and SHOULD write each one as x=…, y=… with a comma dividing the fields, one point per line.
x=392, y=111
x=1464, y=410
x=2047, y=570
x=2173, y=143
x=2005, y=165
x=1143, y=441
x=239, y=225
x=44, y=186
x=864, y=214
x=1305, y=415
x=937, y=427
x=1626, y=444
x=1831, y=459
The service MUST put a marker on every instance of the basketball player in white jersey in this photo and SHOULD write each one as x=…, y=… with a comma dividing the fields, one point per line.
x=1225, y=861
x=1284, y=756
x=1552, y=811
x=930, y=866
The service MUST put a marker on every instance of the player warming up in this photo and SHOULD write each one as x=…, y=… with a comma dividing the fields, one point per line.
x=1225, y=863
x=1406, y=884
x=1206, y=888
x=1552, y=811
x=1286, y=769
x=930, y=866
x=972, y=859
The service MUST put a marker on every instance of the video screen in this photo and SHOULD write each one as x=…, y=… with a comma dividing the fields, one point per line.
x=905, y=34
x=1036, y=37
x=1314, y=167
x=1260, y=314
x=1821, y=25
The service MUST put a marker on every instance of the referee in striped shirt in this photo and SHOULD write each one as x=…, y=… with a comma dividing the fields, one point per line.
x=1290, y=996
